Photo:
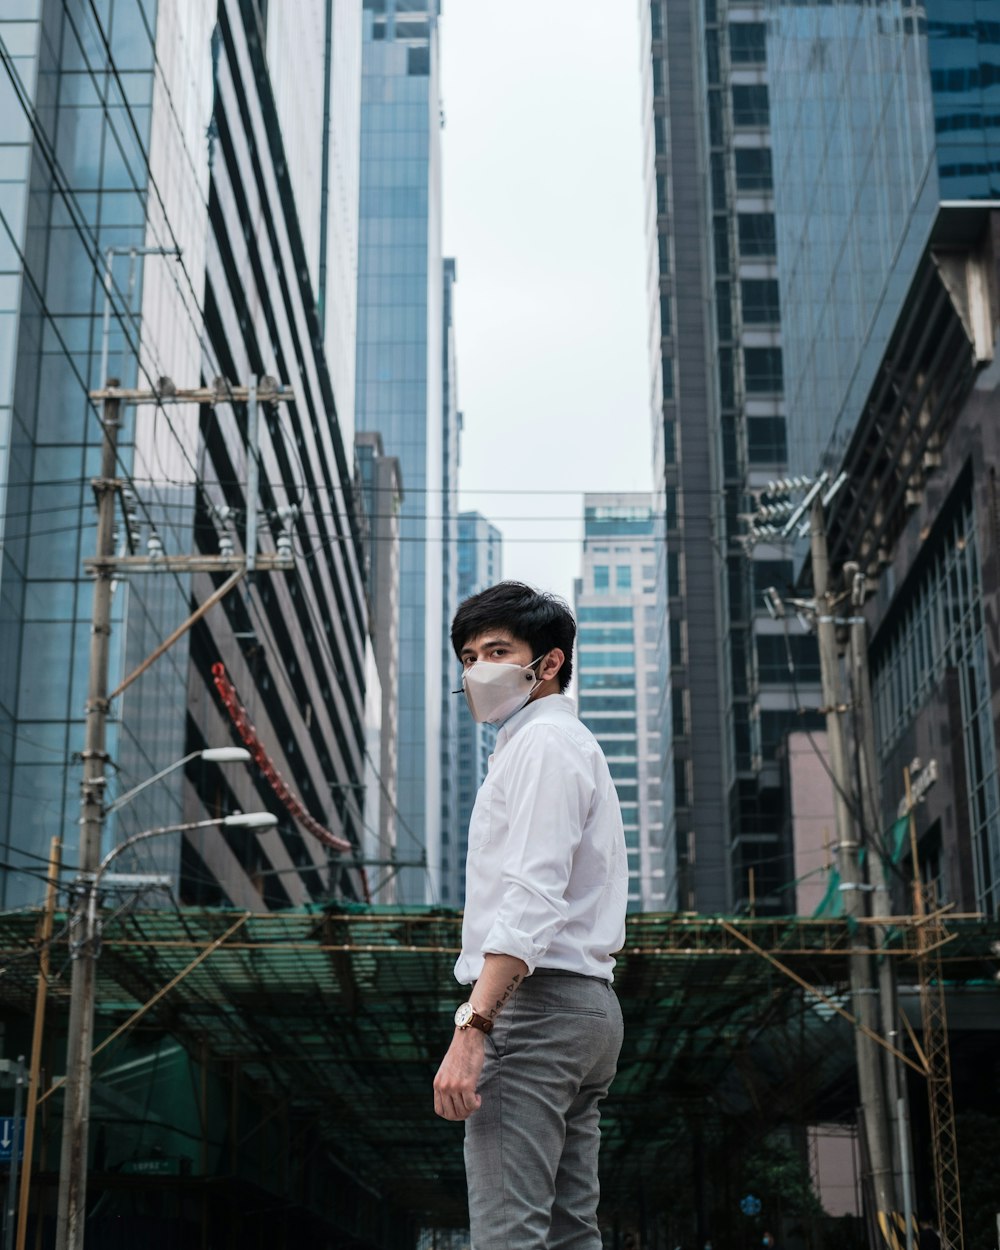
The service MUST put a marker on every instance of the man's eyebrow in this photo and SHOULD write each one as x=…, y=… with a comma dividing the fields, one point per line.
x=490, y=642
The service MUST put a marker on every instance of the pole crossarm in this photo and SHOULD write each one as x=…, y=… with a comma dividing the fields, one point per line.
x=222, y=394
x=267, y=562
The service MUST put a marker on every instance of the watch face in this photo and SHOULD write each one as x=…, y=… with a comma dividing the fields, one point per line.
x=463, y=1015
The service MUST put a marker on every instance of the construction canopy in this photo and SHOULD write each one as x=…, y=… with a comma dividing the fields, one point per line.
x=346, y=1013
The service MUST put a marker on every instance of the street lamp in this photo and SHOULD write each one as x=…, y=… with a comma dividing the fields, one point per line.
x=212, y=755
x=80, y=1034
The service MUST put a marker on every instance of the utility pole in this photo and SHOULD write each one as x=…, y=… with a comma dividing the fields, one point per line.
x=871, y=1080
x=84, y=925
x=80, y=1039
x=871, y=816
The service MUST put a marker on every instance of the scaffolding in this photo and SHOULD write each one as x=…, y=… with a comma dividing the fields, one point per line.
x=342, y=1015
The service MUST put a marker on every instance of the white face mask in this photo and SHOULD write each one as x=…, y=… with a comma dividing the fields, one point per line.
x=496, y=691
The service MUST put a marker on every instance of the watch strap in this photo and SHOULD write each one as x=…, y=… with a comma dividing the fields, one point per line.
x=476, y=1021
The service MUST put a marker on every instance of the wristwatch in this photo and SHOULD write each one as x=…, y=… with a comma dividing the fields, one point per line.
x=466, y=1017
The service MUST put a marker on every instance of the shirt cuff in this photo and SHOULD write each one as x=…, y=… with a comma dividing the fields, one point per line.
x=504, y=940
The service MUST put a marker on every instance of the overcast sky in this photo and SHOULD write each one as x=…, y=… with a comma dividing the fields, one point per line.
x=543, y=213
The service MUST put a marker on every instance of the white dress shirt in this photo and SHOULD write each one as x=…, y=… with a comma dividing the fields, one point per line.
x=547, y=873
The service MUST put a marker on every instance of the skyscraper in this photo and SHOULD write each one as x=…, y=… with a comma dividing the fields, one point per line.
x=886, y=151
x=718, y=421
x=400, y=373
x=623, y=678
x=382, y=490
x=451, y=427
x=194, y=227
x=480, y=560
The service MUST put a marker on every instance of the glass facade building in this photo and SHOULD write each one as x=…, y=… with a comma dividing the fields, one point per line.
x=400, y=389
x=881, y=113
x=480, y=564
x=382, y=491
x=193, y=213
x=719, y=433
x=623, y=678
x=886, y=157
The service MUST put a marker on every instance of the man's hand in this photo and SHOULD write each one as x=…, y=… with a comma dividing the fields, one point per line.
x=455, y=1096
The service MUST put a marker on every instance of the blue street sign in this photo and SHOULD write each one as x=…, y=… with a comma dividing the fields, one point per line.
x=750, y=1205
x=8, y=1123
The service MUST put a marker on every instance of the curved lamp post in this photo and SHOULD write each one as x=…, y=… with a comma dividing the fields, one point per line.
x=213, y=755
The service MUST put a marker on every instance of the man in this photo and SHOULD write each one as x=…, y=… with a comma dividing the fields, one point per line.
x=536, y=1046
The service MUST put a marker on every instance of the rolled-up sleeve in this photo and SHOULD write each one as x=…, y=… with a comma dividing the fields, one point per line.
x=549, y=789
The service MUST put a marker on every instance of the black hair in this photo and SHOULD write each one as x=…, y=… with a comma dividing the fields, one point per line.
x=540, y=619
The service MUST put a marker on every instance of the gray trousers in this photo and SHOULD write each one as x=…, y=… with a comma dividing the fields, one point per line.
x=531, y=1148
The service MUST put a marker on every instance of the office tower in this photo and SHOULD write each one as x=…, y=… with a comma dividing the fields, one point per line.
x=622, y=674
x=718, y=434
x=318, y=102
x=886, y=149
x=480, y=564
x=400, y=374
x=451, y=428
x=382, y=491
x=151, y=161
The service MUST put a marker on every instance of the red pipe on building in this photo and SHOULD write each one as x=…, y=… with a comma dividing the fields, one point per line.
x=248, y=732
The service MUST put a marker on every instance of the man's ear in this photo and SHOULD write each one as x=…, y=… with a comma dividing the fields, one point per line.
x=551, y=665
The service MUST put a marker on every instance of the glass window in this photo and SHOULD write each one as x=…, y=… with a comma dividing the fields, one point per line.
x=753, y=169
x=750, y=106
x=747, y=43
x=610, y=634
x=607, y=681
x=760, y=301
x=623, y=577
x=606, y=659
x=763, y=370
x=670, y=506
x=620, y=748
x=602, y=614
x=776, y=573
x=773, y=652
x=676, y=641
x=678, y=708
x=614, y=702
x=673, y=573
x=611, y=725
x=766, y=440
x=666, y=321
x=601, y=577
x=418, y=62
x=681, y=783
x=668, y=377
x=757, y=235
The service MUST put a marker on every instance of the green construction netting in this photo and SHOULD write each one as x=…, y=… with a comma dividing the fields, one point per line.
x=345, y=1015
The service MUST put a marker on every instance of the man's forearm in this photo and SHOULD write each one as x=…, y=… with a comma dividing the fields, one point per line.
x=497, y=984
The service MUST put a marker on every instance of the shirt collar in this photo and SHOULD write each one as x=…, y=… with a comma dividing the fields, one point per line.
x=528, y=713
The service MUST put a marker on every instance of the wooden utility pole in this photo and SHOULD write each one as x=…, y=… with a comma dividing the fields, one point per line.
x=35, y=1068
x=864, y=994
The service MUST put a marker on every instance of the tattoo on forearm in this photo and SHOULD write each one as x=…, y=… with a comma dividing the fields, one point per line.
x=504, y=996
